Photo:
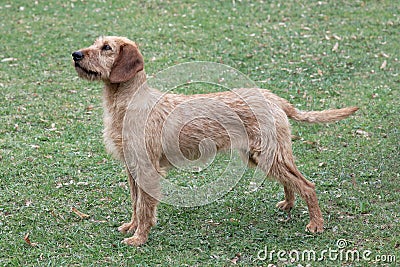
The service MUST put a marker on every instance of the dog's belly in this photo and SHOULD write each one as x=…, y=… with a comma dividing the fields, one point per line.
x=200, y=140
x=198, y=130
x=197, y=137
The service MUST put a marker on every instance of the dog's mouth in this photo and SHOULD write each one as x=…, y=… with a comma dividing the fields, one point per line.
x=86, y=71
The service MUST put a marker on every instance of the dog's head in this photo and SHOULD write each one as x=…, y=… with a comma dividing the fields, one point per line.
x=111, y=59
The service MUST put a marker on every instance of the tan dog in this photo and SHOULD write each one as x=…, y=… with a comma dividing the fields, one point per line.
x=160, y=129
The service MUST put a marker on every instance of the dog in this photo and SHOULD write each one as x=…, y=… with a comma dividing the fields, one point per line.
x=150, y=131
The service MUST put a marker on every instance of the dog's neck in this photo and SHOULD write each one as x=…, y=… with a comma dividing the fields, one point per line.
x=133, y=84
x=118, y=95
x=134, y=94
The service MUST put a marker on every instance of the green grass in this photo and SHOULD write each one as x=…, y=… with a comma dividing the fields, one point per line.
x=52, y=157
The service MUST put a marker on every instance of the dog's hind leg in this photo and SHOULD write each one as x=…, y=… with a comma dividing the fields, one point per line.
x=288, y=203
x=294, y=181
x=284, y=170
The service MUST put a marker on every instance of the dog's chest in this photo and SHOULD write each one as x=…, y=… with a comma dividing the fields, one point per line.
x=112, y=134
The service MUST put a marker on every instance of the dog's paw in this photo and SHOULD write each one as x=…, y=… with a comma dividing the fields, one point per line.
x=129, y=228
x=284, y=205
x=134, y=241
x=315, y=227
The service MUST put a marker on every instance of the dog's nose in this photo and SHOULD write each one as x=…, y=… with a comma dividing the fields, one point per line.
x=77, y=56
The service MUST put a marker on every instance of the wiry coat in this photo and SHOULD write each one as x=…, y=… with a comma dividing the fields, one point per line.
x=151, y=131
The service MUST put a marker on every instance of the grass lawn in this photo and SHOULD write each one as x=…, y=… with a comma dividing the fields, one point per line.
x=320, y=55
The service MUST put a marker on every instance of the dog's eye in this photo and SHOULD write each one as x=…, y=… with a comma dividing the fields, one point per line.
x=106, y=47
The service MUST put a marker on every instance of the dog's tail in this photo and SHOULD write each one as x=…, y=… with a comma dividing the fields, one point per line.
x=329, y=115
x=323, y=116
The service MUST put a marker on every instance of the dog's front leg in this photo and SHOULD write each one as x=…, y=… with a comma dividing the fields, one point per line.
x=130, y=227
x=147, y=193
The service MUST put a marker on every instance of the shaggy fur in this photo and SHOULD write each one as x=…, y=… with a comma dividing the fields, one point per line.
x=151, y=131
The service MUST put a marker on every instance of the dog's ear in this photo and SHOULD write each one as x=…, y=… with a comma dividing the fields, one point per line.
x=128, y=63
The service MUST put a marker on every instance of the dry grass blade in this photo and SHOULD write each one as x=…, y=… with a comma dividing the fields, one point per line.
x=235, y=259
x=383, y=66
x=80, y=214
x=335, y=47
x=28, y=241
